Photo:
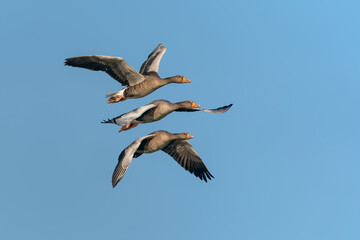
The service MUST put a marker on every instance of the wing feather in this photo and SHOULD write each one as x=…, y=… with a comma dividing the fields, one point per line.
x=185, y=155
x=151, y=65
x=125, y=159
x=129, y=116
x=116, y=67
x=216, y=110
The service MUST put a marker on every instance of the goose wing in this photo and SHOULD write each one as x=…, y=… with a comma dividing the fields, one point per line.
x=151, y=65
x=185, y=155
x=128, y=117
x=116, y=67
x=217, y=110
x=125, y=159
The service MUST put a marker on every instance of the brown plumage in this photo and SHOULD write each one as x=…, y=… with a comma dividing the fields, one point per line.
x=139, y=84
x=163, y=109
x=157, y=110
x=150, y=84
x=176, y=145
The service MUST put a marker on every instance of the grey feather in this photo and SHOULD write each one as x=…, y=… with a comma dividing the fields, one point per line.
x=116, y=67
x=129, y=116
x=125, y=159
x=217, y=110
x=185, y=155
x=151, y=65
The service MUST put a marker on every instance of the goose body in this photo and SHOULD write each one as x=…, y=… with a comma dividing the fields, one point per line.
x=138, y=84
x=176, y=145
x=156, y=111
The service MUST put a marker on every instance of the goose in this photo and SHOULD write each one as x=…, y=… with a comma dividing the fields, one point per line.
x=156, y=111
x=174, y=144
x=139, y=84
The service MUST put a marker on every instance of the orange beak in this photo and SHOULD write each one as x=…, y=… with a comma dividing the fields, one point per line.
x=194, y=105
x=185, y=80
x=188, y=136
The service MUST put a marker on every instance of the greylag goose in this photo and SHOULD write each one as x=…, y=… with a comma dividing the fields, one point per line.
x=176, y=145
x=138, y=84
x=157, y=110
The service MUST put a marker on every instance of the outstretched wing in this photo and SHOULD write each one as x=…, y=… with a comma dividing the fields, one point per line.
x=128, y=117
x=185, y=155
x=151, y=65
x=217, y=110
x=116, y=67
x=125, y=159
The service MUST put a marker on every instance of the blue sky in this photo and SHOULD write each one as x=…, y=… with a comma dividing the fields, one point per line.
x=285, y=157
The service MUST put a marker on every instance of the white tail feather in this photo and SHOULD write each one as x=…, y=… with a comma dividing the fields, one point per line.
x=116, y=94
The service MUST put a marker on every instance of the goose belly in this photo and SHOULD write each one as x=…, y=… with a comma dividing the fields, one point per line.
x=142, y=89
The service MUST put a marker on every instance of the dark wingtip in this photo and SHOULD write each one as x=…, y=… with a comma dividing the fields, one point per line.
x=69, y=62
x=209, y=175
x=219, y=109
x=107, y=121
x=228, y=106
x=66, y=63
x=205, y=176
x=114, y=182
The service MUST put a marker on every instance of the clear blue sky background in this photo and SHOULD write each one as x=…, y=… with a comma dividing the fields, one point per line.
x=285, y=157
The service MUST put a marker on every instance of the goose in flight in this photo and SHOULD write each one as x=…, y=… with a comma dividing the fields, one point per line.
x=157, y=110
x=176, y=145
x=139, y=84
